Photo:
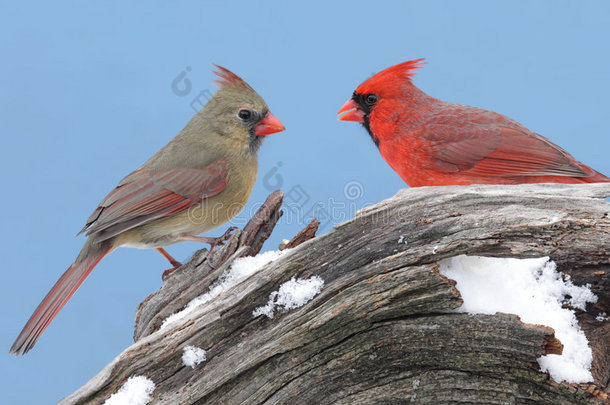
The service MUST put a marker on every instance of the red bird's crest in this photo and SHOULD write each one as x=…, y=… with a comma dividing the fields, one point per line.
x=391, y=78
x=406, y=69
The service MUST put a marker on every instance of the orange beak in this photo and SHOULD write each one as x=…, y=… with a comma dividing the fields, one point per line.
x=354, y=113
x=268, y=125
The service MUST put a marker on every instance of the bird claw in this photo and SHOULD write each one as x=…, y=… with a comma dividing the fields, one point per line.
x=167, y=272
x=220, y=241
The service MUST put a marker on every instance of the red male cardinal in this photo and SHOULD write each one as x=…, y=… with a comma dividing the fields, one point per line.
x=430, y=142
x=195, y=183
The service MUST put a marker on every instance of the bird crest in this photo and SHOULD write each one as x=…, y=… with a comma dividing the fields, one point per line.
x=390, y=81
x=226, y=77
x=407, y=69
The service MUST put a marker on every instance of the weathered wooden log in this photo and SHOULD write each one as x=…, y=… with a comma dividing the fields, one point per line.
x=381, y=330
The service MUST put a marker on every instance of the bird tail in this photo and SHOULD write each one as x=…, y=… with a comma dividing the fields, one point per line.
x=62, y=291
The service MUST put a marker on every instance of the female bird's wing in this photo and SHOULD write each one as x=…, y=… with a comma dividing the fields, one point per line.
x=147, y=195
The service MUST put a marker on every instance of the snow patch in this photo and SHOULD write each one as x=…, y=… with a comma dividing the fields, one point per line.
x=241, y=269
x=191, y=356
x=535, y=291
x=136, y=391
x=415, y=387
x=292, y=294
x=601, y=317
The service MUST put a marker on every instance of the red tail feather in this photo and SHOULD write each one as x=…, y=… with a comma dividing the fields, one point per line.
x=59, y=295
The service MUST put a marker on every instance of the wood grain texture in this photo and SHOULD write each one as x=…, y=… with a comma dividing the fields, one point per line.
x=382, y=329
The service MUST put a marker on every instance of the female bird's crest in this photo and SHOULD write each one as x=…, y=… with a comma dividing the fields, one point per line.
x=226, y=77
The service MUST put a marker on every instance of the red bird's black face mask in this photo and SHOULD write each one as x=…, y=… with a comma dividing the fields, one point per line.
x=358, y=109
x=365, y=103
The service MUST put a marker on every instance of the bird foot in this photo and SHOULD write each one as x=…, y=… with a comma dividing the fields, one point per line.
x=220, y=241
x=171, y=261
x=167, y=272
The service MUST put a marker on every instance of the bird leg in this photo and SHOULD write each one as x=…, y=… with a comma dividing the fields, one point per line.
x=171, y=260
x=205, y=239
x=219, y=241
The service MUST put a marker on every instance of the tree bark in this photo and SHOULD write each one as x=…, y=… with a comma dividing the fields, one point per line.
x=382, y=328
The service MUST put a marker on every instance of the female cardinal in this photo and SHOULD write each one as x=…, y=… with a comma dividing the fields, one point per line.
x=430, y=142
x=195, y=183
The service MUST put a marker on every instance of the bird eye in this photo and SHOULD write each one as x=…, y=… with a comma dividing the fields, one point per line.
x=371, y=99
x=244, y=114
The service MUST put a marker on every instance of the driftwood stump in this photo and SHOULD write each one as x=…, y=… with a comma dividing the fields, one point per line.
x=381, y=330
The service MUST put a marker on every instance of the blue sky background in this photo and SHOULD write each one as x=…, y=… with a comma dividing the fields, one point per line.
x=86, y=97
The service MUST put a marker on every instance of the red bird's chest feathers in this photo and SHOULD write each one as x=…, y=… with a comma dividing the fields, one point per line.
x=394, y=130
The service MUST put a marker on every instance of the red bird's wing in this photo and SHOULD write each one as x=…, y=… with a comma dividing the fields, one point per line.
x=146, y=195
x=491, y=150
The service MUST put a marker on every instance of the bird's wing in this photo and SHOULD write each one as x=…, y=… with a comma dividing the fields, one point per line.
x=146, y=195
x=491, y=150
